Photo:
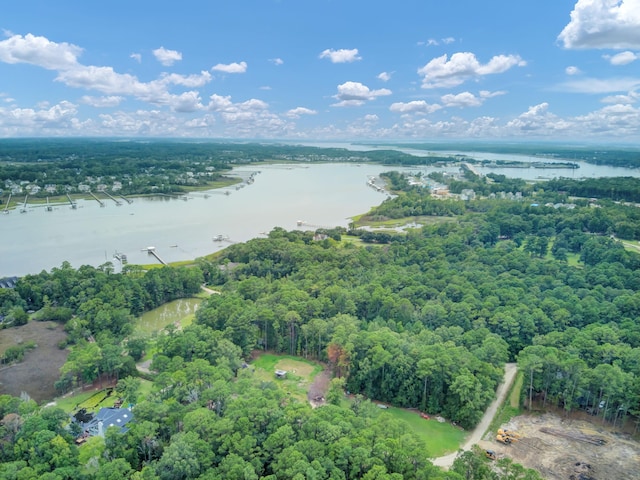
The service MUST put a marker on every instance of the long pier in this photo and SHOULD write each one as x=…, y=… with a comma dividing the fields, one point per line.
x=73, y=204
x=114, y=199
x=152, y=251
x=97, y=199
x=24, y=206
x=126, y=199
x=6, y=207
x=49, y=207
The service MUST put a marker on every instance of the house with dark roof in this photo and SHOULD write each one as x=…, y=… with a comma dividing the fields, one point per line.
x=8, y=282
x=108, y=417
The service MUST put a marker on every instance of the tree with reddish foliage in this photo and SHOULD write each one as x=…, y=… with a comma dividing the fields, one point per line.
x=338, y=359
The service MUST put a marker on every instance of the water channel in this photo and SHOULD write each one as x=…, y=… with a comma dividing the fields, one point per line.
x=288, y=196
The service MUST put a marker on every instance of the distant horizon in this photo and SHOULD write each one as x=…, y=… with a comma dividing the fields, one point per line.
x=321, y=71
x=464, y=142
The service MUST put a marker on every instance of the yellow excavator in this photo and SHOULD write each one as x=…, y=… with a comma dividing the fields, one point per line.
x=507, y=436
x=509, y=433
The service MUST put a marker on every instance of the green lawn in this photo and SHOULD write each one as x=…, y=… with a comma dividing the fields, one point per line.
x=514, y=396
x=300, y=373
x=440, y=438
x=90, y=399
x=511, y=406
x=392, y=223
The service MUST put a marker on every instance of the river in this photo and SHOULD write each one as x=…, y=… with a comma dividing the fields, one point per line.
x=585, y=170
x=318, y=195
x=280, y=196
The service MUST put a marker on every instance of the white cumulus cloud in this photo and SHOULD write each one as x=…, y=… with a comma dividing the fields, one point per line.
x=167, y=57
x=464, y=99
x=414, y=107
x=384, y=76
x=622, y=58
x=603, y=24
x=276, y=61
x=234, y=67
x=58, y=118
x=189, y=81
x=450, y=72
x=137, y=57
x=102, y=102
x=39, y=51
x=341, y=56
x=299, y=111
x=572, y=70
x=631, y=97
x=353, y=94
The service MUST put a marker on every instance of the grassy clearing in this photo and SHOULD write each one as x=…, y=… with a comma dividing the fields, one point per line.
x=94, y=400
x=514, y=396
x=440, y=438
x=511, y=407
x=573, y=259
x=631, y=245
x=363, y=221
x=300, y=373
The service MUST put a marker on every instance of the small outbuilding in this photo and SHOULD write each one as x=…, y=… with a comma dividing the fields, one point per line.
x=281, y=373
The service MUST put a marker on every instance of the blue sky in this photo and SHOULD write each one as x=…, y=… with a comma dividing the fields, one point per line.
x=409, y=70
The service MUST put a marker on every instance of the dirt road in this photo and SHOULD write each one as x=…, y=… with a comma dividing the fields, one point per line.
x=477, y=433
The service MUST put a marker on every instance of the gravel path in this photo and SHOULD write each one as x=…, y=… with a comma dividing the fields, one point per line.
x=478, y=432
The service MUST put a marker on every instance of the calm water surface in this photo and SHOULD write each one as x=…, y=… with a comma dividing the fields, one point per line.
x=323, y=195
x=586, y=170
x=318, y=195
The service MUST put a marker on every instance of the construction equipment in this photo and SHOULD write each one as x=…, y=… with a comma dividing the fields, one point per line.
x=490, y=454
x=504, y=439
x=509, y=433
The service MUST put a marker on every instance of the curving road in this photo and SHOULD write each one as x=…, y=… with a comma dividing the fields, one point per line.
x=478, y=432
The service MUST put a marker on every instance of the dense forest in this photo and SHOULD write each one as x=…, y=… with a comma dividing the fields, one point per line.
x=422, y=319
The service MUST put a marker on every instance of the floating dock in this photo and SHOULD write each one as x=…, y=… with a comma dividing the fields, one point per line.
x=121, y=257
x=372, y=183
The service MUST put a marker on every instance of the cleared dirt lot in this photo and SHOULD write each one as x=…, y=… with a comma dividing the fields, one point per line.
x=570, y=449
x=40, y=368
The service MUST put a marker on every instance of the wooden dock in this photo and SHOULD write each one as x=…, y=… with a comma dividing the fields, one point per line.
x=152, y=251
x=71, y=202
x=97, y=199
x=24, y=206
x=111, y=197
x=6, y=207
